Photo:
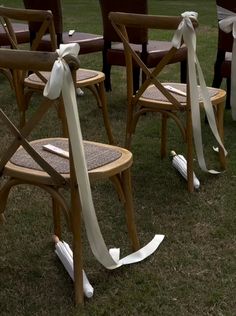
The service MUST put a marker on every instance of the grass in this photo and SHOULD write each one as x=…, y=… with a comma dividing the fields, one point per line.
x=192, y=273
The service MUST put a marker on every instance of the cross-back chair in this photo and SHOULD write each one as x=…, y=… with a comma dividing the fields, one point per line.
x=151, y=51
x=21, y=31
x=89, y=43
x=25, y=85
x=154, y=96
x=222, y=67
x=26, y=162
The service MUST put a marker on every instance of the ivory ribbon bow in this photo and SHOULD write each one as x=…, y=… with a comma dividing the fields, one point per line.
x=229, y=25
x=61, y=81
x=186, y=30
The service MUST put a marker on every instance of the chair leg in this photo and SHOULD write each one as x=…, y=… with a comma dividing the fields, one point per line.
x=129, y=209
x=227, y=103
x=103, y=100
x=219, y=109
x=183, y=71
x=189, y=140
x=106, y=69
x=136, y=78
x=56, y=218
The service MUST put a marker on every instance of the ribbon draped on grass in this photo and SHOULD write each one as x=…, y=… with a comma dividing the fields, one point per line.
x=229, y=25
x=61, y=81
x=186, y=31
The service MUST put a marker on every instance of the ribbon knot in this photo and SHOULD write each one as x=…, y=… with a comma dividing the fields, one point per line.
x=228, y=25
x=60, y=71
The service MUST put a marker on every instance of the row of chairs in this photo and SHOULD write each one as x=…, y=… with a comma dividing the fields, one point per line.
x=53, y=174
x=109, y=43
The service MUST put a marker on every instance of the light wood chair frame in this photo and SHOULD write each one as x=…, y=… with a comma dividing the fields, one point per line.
x=49, y=179
x=138, y=105
x=25, y=87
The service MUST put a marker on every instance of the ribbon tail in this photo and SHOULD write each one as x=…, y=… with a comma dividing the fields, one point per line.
x=208, y=107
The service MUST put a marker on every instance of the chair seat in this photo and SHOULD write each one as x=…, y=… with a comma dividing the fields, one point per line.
x=156, y=50
x=21, y=31
x=84, y=77
x=89, y=43
x=157, y=98
x=102, y=161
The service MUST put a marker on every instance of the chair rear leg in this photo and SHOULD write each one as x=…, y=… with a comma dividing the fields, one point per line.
x=189, y=140
x=56, y=218
x=227, y=103
x=219, y=110
x=106, y=69
x=183, y=71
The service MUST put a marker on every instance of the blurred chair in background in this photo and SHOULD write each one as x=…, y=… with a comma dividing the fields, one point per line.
x=222, y=67
x=89, y=43
x=151, y=52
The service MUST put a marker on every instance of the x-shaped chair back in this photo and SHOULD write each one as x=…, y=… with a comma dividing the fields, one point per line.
x=169, y=99
x=45, y=21
x=122, y=21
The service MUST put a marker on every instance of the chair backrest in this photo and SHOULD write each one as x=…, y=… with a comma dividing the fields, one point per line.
x=137, y=35
x=121, y=21
x=36, y=61
x=224, y=9
x=52, y=5
x=44, y=19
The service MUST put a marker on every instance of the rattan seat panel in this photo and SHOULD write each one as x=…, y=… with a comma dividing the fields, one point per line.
x=80, y=75
x=153, y=93
x=96, y=156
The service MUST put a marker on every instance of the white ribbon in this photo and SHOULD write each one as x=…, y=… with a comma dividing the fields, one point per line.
x=223, y=13
x=229, y=25
x=186, y=30
x=61, y=80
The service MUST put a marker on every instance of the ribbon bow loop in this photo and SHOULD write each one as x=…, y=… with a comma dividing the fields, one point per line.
x=60, y=69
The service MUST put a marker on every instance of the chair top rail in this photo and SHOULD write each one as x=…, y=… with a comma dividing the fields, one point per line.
x=25, y=15
x=147, y=21
x=33, y=60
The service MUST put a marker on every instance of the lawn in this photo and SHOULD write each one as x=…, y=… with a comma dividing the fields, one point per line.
x=194, y=270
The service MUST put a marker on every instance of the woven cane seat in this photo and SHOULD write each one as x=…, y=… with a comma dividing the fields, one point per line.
x=100, y=158
x=154, y=94
x=81, y=76
x=96, y=156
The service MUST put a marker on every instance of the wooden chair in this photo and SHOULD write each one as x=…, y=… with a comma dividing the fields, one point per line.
x=222, y=67
x=26, y=85
x=150, y=51
x=22, y=34
x=89, y=43
x=26, y=162
x=153, y=96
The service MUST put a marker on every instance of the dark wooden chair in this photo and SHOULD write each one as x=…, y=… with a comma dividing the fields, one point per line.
x=150, y=51
x=89, y=43
x=222, y=67
x=170, y=100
